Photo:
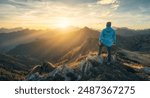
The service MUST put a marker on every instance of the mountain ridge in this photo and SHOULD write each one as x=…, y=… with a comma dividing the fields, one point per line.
x=73, y=49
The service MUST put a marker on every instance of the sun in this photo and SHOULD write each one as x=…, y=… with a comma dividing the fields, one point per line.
x=63, y=23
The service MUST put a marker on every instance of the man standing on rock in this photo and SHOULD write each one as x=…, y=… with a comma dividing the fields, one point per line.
x=107, y=38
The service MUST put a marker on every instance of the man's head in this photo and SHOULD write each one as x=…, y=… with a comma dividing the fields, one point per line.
x=108, y=24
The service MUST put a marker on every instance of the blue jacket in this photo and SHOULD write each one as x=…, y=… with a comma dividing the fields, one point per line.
x=108, y=37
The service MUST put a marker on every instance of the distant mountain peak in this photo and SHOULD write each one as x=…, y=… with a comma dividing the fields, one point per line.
x=86, y=28
x=6, y=30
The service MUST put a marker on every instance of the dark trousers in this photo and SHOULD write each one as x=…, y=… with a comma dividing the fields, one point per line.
x=108, y=51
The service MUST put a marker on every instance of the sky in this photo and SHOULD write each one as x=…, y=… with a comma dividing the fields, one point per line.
x=78, y=13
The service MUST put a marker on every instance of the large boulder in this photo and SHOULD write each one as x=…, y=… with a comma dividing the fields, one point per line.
x=46, y=67
x=146, y=70
x=88, y=67
x=33, y=77
x=64, y=73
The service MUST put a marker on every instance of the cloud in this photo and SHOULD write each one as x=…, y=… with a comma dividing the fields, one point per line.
x=74, y=1
x=18, y=3
x=134, y=6
x=113, y=3
x=80, y=12
x=106, y=2
x=4, y=1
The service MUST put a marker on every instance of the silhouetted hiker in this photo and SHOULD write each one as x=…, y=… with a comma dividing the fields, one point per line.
x=107, y=38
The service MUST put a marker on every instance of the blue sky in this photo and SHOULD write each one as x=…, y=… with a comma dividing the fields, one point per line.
x=93, y=13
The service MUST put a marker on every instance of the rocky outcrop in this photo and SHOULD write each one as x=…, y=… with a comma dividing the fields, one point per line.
x=146, y=70
x=39, y=70
x=92, y=67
